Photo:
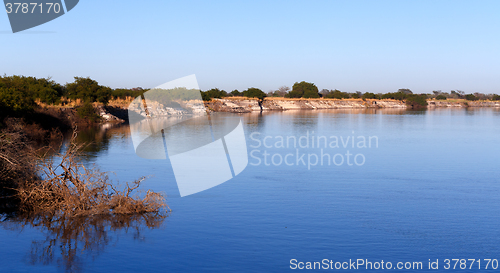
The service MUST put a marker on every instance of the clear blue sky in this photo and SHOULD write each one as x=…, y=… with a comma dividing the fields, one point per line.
x=375, y=46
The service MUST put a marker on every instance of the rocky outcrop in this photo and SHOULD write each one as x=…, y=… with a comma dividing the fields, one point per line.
x=107, y=116
x=444, y=103
x=246, y=105
x=249, y=105
x=239, y=105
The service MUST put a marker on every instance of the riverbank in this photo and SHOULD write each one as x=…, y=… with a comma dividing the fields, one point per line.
x=244, y=105
x=117, y=110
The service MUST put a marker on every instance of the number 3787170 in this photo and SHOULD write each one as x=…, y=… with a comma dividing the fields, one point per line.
x=33, y=7
x=470, y=264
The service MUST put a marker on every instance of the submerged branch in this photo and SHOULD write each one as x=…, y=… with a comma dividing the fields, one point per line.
x=61, y=184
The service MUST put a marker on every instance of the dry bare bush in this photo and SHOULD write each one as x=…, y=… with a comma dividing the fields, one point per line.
x=15, y=164
x=68, y=187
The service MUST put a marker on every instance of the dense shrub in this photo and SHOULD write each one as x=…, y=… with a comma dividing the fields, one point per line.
x=87, y=111
x=495, y=97
x=405, y=90
x=416, y=101
x=14, y=101
x=303, y=90
x=236, y=93
x=45, y=90
x=395, y=96
x=254, y=93
x=87, y=89
x=213, y=93
x=369, y=95
x=441, y=97
x=337, y=94
x=122, y=93
x=471, y=97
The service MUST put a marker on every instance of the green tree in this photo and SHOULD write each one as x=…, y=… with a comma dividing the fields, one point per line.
x=440, y=97
x=369, y=95
x=303, y=90
x=213, y=93
x=236, y=93
x=45, y=90
x=416, y=101
x=405, y=90
x=123, y=93
x=87, y=89
x=87, y=112
x=12, y=100
x=395, y=96
x=471, y=97
x=337, y=94
x=254, y=93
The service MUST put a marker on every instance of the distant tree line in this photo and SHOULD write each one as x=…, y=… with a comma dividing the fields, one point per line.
x=216, y=93
x=19, y=93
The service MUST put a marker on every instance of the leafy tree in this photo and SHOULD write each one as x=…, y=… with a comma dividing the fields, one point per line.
x=303, y=90
x=235, y=93
x=87, y=89
x=87, y=111
x=14, y=101
x=123, y=93
x=254, y=93
x=405, y=90
x=213, y=93
x=45, y=90
x=495, y=97
x=337, y=94
x=355, y=95
x=441, y=97
x=471, y=97
x=416, y=101
x=395, y=96
x=369, y=95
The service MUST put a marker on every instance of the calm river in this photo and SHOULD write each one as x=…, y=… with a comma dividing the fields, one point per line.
x=414, y=186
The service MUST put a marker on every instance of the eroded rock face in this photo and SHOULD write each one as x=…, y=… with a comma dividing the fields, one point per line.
x=238, y=105
x=443, y=103
x=248, y=105
x=107, y=116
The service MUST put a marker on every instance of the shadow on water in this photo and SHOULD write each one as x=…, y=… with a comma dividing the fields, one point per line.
x=97, y=138
x=70, y=240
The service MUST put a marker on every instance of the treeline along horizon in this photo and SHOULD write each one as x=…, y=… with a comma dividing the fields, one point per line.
x=20, y=93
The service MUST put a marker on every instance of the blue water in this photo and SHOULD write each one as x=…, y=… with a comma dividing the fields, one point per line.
x=429, y=190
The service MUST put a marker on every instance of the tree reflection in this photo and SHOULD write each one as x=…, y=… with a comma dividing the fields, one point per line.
x=69, y=240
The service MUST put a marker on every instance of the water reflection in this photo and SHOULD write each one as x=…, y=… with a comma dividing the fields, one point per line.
x=97, y=138
x=70, y=240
